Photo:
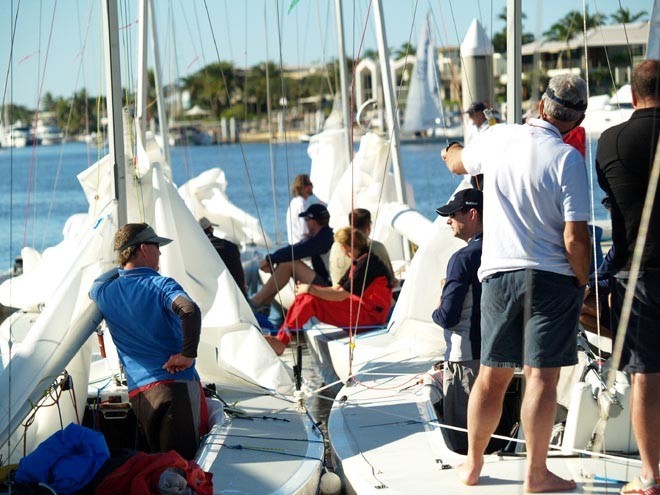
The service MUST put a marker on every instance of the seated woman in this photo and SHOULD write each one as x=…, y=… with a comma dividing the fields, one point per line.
x=362, y=297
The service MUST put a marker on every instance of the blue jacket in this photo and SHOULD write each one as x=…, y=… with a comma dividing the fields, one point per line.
x=311, y=247
x=66, y=461
x=461, y=275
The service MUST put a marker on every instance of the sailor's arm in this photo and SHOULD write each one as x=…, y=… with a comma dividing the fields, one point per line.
x=452, y=155
x=191, y=325
x=578, y=252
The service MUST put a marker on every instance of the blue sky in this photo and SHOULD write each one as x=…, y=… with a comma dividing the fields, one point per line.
x=246, y=31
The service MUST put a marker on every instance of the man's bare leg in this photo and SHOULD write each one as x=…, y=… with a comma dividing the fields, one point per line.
x=538, y=417
x=281, y=275
x=644, y=409
x=484, y=412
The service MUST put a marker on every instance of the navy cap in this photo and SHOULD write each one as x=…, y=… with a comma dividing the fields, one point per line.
x=462, y=200
x=477, y=106
x=316, y=212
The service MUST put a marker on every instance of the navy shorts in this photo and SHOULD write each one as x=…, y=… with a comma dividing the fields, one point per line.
x=529, y=317
x=641, y=349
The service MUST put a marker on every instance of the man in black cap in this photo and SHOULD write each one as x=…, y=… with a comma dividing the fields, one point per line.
x=285, y=263
x=459, y=312
x=475, y=113
x=228, y=252
x=155, y=326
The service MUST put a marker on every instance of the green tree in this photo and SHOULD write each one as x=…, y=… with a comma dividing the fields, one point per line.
x=499, y=38
x=571, y=24
x=77, y=114
x=212, y=86
x=623, y=16
x=405, y=49
x=11, y=113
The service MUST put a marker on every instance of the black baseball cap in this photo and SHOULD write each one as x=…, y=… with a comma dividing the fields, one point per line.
x=316, y=212
x=462, y=200
x=477, y=106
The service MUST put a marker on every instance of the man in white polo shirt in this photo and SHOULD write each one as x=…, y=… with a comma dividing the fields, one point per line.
x=534, y=267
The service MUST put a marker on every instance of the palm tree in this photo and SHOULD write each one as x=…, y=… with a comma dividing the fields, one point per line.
x=571, y=25
x=499, y=38
x=406, y=49
x=623, y=16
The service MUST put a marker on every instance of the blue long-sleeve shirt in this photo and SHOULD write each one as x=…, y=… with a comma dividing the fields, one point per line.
x=313, y=247
x=459, y=312
x=606, y=271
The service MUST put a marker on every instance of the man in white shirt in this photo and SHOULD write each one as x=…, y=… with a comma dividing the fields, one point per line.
x=478, y=120
x=534, y=267
x=302, y=197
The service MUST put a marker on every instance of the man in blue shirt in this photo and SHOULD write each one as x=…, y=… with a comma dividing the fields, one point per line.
x=459, y=312
x=155, y=327
x=286, y=263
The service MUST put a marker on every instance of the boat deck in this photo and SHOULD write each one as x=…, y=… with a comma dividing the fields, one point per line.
x=386, y=440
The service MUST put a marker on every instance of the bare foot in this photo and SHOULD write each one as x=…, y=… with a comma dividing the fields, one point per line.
x=469, y=472
x=277, y=346
x=546, y=481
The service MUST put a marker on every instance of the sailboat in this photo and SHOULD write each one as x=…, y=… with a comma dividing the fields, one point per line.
x=386, y=428
x=424, y=118
x=51, y=375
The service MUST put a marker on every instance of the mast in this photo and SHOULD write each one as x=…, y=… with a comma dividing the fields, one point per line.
x=653, y=44
x=514, y=61
x=343, y=71
x=392, y=121
x=113, y=91
x=162, y=117
x=143, y=79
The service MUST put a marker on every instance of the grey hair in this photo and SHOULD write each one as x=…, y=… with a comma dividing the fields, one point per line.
x=570, y=88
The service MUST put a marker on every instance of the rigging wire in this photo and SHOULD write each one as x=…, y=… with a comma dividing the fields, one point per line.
x=594, y=240
x=9, y=83
x=269, y=117
x=58, y=169
x=33, y=159
x=245, y=164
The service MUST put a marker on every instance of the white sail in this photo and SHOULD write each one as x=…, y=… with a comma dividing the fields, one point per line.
x=423, y=105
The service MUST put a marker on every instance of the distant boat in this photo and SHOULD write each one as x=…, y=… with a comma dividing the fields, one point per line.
x=605, y=111
x=18, y=135
x=424, y=117
x=187, y=135
x=48, y=134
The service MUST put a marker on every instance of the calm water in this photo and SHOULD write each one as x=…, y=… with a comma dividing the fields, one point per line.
x=39, y=190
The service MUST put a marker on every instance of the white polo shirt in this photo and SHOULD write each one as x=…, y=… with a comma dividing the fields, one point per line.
x=533, y=183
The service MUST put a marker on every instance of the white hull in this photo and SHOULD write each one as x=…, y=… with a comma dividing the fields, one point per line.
x=276, y=450
x=386, y=439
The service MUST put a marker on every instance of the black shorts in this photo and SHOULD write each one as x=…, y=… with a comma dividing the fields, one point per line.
x=641, y=348
x=319, y=280
x=529, y=317
x=169, y=413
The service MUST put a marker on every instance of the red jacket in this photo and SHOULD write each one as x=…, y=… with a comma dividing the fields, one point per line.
x=140, y=474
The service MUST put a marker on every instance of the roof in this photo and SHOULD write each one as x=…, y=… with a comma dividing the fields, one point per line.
x=636, y=33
